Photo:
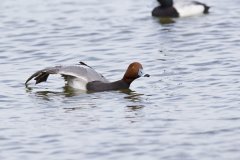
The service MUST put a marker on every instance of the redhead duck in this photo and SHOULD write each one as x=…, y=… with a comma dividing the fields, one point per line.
x=169, y=9
x=84, y=77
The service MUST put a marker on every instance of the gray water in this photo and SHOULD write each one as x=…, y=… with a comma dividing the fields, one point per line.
x=189, y=109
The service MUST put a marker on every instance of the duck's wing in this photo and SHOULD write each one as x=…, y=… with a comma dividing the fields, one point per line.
x=84, y=73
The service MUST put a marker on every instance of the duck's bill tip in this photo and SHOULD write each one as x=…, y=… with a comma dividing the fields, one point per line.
x=146, y=75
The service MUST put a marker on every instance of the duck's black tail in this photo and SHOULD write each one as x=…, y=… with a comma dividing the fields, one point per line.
x=206, y=8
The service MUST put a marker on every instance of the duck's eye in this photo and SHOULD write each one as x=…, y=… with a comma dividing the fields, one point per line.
x=140, y=72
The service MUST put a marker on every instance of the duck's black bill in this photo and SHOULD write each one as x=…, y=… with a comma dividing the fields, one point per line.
x=146, y=75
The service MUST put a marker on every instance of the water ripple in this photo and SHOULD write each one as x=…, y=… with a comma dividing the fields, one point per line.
x=187, y=109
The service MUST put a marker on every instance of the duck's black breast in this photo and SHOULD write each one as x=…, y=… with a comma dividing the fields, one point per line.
x=98, y=86
x=165, y=12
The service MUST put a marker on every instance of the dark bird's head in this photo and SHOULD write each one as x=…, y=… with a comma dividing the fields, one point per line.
x=166, y=3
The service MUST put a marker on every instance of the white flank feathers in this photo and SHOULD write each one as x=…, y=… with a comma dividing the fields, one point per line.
x=191, y=9
x=77, y=83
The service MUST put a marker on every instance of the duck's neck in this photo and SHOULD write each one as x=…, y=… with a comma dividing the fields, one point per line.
x=127, y=80
x=102, y=86
x=121, y=84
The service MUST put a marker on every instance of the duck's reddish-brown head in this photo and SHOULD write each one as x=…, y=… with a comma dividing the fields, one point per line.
x=134, y=71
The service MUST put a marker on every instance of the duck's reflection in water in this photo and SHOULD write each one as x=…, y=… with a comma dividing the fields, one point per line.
x=132, y=100
x=134, y=108
x=164, y=21
x=132, y=95
x=63, y=91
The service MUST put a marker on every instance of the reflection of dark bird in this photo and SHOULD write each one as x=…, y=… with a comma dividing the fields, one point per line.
x=169, y=9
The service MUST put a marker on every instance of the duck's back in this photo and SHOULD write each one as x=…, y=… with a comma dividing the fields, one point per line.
x=189, y=8
x=78, y=76
x=78, y=71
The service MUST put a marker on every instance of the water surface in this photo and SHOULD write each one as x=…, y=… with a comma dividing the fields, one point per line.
x=188, y=109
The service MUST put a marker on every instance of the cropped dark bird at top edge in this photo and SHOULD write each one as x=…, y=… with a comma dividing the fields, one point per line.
x=170, y=9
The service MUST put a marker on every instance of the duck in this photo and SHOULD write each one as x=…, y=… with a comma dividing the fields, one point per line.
x=169, y=9
x=84, y=77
